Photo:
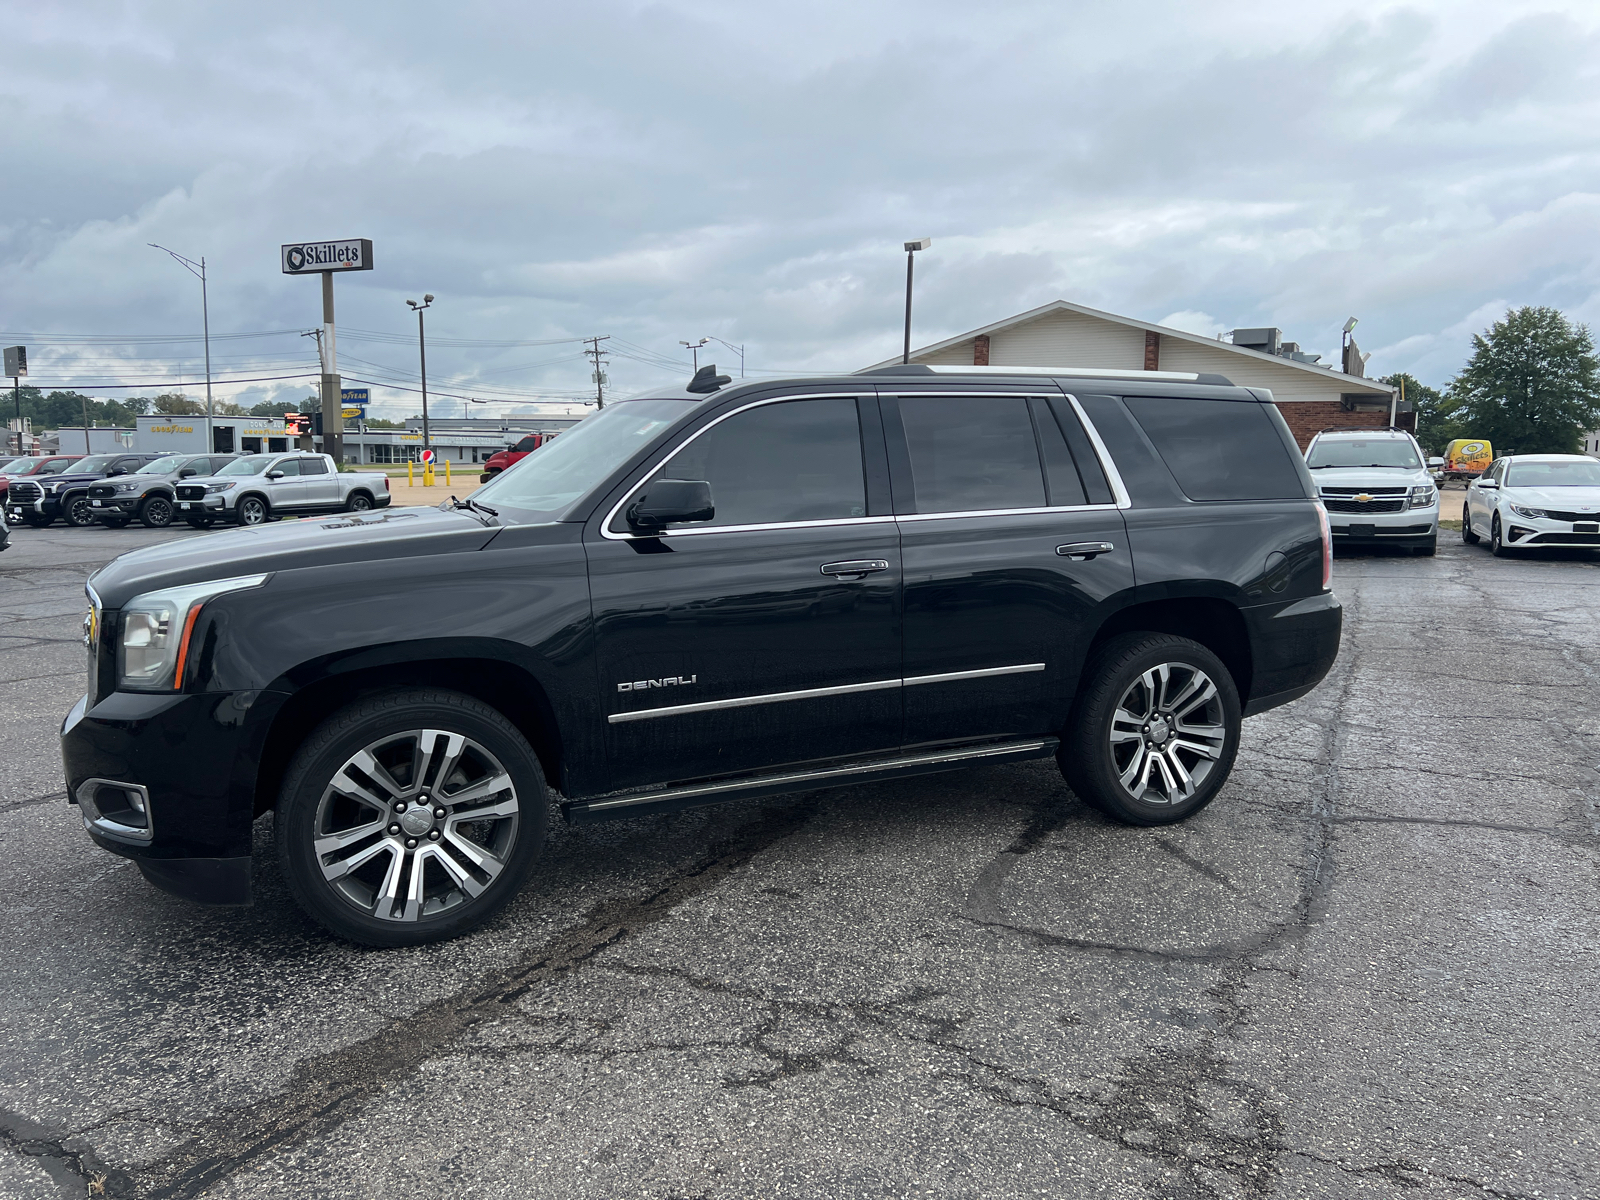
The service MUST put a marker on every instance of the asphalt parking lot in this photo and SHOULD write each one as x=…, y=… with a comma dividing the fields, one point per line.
x=1368, y=970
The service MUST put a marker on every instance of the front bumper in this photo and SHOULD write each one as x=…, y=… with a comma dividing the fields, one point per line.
x=210, y=506
x=1549, y=533
x=114, y=506
x=195, y=758
x=44, y=506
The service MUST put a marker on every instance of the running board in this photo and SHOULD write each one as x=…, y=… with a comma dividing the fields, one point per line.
x=580, y=812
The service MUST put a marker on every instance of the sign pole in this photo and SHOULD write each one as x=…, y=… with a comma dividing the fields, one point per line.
x=16, y=366
x=332, y=406
x=16, y=392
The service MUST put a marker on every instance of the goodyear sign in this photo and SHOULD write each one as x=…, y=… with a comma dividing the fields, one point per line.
x=305, y=258
x=171, y=429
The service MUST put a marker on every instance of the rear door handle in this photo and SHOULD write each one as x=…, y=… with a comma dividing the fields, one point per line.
x=1084, y=551
x=855, y=568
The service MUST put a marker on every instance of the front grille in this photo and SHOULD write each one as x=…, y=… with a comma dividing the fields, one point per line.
x=102, y=491
x=1374, y=491
x=1570, y=539
x=1557, y=515
x=25, y=491
x=189, y=491
x=1364, y=506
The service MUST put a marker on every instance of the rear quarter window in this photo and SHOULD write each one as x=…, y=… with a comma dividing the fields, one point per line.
x=1219, y=449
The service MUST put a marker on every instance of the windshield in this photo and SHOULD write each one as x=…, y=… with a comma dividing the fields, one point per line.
x=1573, y=473
x=162, y=466
x=95, y=462
x=563, y=470
x=7, y=464
x=1362, y=452
x=253, y=465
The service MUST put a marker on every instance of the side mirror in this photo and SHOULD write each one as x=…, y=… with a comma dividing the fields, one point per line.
x=1488, y=483
x=670, y=500
x=1436, y=462
x=112, y=474
x=274, y=474
x=187, y=473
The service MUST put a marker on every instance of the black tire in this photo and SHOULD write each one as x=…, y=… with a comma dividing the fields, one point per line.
x=156, y=512
x=252, y=510
x=1497, y=545
x=358, y=502
x=115, y=522
x=198, y=522
x=1427, y=551
x=75, y=511
x=35, y=521
x=1092, y=764
x=354, y=906
x=1467, y=535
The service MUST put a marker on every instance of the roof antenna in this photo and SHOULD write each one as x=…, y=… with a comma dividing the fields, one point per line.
x=706, y=380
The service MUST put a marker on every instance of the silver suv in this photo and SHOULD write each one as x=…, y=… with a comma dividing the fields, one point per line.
x=1376, y=488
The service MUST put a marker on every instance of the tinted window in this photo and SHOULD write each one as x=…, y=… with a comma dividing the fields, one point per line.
x=972, y=452
x=525, y=445
x=313, y=466
x=1060, y=473
x=1219, y=449
x=796, y=461
x=289, y=466
x=1093, y=475
x=57, y=466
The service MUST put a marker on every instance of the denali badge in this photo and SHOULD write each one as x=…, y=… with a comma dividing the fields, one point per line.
x=638, y=685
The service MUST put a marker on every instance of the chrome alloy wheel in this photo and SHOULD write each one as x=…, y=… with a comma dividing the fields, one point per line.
x=1167, y=733
x=416, y=824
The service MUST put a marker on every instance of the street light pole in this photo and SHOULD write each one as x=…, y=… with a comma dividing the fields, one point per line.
x=199, y=270
x=694, y=349
x=739, y=350
x=911, y=254
x=422, y=354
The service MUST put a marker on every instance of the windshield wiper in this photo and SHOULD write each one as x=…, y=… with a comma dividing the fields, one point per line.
x=474, y=506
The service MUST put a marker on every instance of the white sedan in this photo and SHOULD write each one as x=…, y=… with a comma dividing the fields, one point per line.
x=1535, y=500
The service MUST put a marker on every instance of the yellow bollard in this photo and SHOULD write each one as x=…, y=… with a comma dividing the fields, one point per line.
x=447, y=472
x=410, y=482
x=427, y=475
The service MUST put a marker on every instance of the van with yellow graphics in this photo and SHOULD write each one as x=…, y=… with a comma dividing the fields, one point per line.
x=1466, y=458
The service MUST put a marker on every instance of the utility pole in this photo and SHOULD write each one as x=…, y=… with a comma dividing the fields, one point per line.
x=597, y=356
x=85, y=400
x=205, y=318
x=422, y=353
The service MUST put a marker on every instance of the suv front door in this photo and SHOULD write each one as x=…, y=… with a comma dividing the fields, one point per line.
x=1012, y=540
x=287, y=491
x=746, y=641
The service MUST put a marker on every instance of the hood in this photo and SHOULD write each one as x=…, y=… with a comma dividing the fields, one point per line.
x=72, y=477
x=1370, y=476
x=313, y=542
x=1568, y=499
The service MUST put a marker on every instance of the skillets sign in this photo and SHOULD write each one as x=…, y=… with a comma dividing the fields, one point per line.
x=305, y=258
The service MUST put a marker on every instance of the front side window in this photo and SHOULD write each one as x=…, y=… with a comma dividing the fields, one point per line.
x=799, y=460
x=972, y=453
x=289, y=466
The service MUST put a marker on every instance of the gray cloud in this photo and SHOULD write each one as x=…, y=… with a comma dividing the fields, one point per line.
x=667, y=171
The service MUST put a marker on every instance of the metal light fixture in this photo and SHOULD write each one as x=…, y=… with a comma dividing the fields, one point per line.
x=911, y=253
x=422, y=354
x=198, y=270
x=694, y=349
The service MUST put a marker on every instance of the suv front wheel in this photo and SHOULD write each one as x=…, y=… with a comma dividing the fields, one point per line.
x=410, y=817
x=1155, y=730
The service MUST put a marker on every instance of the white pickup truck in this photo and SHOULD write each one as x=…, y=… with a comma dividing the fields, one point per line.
x=258, y=487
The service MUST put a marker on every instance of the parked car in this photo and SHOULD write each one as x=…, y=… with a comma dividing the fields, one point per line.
x=148, y=493
x=255, y=488
x=501, y=459
x=17, y=468
x=38, y=499
x=1534, y=500
x=718, y=592
x=1376, y=489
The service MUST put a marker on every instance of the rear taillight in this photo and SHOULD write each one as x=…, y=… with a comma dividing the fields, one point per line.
x=1327, y=547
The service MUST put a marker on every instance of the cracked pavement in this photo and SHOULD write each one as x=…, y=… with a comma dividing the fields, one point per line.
x=1367, y=970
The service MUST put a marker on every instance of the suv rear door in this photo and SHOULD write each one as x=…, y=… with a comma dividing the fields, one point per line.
x=741, y=642
x=1012, y=540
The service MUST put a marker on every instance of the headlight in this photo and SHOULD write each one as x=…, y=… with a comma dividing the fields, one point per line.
x=1422, y=496
x=218, y=487
x=1527, y=512
x=156, y=628
x=50, y=489
x=127, y=487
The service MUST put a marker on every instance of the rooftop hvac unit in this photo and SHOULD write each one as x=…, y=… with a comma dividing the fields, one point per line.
x=1268, y=341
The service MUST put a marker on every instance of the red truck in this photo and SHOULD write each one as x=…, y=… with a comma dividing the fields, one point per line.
x=502, y=459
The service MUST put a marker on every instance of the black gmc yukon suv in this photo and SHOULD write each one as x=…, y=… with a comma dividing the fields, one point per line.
x=728, y=591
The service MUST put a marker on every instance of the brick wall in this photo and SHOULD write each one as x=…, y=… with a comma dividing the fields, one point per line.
x=980, y=350
x=1307, y=418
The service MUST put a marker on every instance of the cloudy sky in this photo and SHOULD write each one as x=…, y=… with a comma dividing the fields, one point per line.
x=669, y=171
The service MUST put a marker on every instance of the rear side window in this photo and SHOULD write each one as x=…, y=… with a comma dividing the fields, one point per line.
x=972, y=453
x=1219, y=449
x=795, y=461
x=313, y=466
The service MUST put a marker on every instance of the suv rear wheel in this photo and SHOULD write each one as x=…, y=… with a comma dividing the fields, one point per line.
x=410, y=817
x=1155, y=730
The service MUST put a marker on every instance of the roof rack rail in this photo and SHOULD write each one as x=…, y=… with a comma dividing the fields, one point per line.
x=1066, y=372
x=1365, y=429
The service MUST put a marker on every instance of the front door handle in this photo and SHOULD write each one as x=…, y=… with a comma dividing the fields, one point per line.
x=855, y=568
x=1084, y=551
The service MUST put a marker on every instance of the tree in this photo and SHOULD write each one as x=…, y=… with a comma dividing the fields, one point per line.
x=179, y=405
x=1532, y=385
x=1438, y=419
x=277, y=408
x=380, y=423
